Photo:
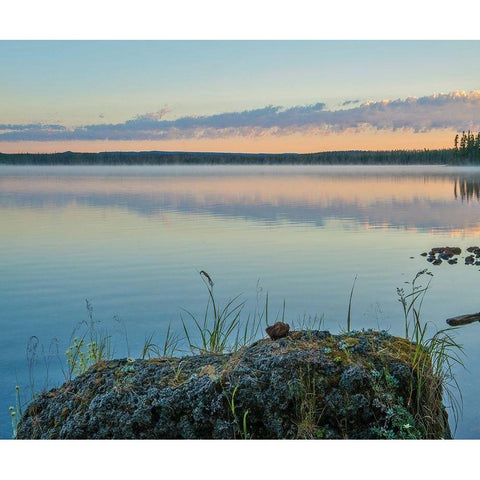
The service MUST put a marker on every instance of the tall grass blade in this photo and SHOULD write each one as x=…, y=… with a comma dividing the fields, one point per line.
x=349, y=318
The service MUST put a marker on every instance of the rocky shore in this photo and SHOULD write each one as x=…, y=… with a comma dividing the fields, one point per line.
x=309, y=384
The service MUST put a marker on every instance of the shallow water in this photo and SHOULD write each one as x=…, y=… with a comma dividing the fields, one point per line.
x=132, y=240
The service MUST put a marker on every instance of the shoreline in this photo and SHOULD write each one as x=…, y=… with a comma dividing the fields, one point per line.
x=350, y=157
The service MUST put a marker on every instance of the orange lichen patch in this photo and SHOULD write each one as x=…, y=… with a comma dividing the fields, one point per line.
x=178, y=379
x=99, y=379
x=100, y=366
x=295, y=341
x=162, y=360
x=399, y=348
x=351, y=341
x=208, y=370
x=232, y=364
x=32, y=410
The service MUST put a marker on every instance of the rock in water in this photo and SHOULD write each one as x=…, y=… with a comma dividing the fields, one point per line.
x=310, y=384
x=278, y=330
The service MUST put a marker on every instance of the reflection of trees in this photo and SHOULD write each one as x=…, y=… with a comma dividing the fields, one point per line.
x=467, y=188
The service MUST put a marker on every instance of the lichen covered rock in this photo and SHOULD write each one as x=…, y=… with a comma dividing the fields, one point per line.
x=310, y=384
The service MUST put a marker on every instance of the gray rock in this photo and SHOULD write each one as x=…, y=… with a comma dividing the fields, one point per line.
x=309, y=384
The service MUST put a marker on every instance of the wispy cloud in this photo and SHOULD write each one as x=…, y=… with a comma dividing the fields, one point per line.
x=349, y=102
x=456, y=110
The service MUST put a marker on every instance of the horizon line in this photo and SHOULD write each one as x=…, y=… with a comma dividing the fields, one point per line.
x=226, y=152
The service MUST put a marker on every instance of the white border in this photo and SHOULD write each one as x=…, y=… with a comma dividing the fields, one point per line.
x=239, y=19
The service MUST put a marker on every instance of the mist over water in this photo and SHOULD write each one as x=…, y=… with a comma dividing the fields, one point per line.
x=132, y=240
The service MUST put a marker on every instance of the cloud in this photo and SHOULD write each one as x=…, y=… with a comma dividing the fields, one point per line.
x=349, y=102
x=31, y=127
x=455, y=110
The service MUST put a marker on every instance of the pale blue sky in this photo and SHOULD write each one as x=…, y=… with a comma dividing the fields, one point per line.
x=75, y=82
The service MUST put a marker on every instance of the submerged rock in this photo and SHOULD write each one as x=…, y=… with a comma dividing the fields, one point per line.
x=309, y=384
x=450, y=255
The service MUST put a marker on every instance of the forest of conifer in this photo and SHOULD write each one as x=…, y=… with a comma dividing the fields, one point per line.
x=467, y=147
x=466, y=151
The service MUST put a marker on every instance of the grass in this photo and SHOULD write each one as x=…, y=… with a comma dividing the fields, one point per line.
x=16, y=412
x=308, y=416
x=231, y=404
x=92, y=346
x=434, y=360
x=349, y=313
x=220, y=329
x=412, y=303
x=167, y=350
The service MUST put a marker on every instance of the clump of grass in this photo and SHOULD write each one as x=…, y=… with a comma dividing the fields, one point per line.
x=16, y=412
x=434, y=360
x=221, y=328
x=412, y=303
x=32, y=347
x=80, y=354
x=168, y=348
x=307, y=414
x=215, y=332
x=243, y=429
x=309, y=322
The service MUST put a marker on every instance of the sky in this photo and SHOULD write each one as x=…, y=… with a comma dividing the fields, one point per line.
x=236, y=96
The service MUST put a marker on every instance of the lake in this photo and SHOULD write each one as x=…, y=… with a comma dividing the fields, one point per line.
x=132, y=241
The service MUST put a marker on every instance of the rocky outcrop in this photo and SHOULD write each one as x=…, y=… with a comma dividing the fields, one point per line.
x=310, y=384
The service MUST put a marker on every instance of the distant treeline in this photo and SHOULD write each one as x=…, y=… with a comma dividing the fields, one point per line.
x=397, y=157
x=467, y=147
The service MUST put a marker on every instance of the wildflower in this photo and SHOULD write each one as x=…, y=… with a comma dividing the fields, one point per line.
x=407, y=426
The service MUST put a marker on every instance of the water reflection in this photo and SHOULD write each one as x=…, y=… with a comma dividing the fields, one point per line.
x=392, y=197
x=467, y=188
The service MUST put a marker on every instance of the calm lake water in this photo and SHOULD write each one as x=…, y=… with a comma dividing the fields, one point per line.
x=132, y=240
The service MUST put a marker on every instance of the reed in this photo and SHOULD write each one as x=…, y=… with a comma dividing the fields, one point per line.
x=435, y=358
x=349, y=312
x=218, y=323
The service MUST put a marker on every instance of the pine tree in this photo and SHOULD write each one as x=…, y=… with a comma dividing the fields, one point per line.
x=463, y=144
